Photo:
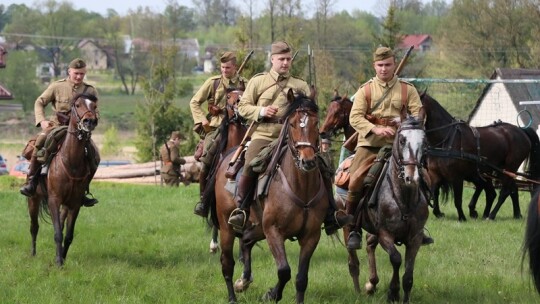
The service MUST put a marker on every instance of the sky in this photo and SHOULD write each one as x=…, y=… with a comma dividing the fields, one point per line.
x=101, y=6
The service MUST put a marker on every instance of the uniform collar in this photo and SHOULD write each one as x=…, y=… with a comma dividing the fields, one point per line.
x=279, y=77
x=385, y=84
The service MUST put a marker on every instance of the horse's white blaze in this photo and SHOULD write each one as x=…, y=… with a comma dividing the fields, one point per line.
x=412, y=150
x=88, y=103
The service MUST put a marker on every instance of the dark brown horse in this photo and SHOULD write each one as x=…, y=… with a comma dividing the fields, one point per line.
x=531, y=243
x=294, y=207
x=460, y=152
x=63, y=189
x=401, y=210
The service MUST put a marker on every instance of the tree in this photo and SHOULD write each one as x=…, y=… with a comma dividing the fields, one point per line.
x=19, y=76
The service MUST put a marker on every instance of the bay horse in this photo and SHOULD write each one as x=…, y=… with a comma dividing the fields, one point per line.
x=294, y=207
x=460, y=152
x=531, y=243
x=401, y=210
x=60, y=193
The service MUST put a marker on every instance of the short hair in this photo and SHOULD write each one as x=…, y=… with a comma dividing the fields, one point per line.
x=175, y=135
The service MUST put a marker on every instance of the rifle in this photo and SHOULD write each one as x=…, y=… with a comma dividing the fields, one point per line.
x=350, y=143
x=294, y=56
x=242, y=145
x=243, y=65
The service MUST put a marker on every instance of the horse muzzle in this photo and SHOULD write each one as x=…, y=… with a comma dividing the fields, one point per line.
x=88, y=124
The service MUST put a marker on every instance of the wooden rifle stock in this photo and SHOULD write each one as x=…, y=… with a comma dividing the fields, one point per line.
x=404, y=60
x=242, y=145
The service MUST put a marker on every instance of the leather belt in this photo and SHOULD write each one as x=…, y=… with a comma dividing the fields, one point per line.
x=381, y=121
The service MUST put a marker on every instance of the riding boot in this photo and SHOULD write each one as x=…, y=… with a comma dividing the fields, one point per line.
x=89, y=200
x=29, y=187
x=335, y=218
x=201, y=208
x=244, y=197
x=354, y=241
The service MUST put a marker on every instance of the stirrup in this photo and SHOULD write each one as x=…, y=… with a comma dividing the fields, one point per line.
x=200, y=210
x=235, y=213
x=346, y=219
x=89, y=201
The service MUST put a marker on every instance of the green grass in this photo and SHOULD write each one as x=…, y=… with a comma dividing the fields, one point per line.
x=142, y=244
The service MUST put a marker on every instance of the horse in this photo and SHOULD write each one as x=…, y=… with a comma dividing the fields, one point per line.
x=531, y=243
x=401, y=210
x=294, y=207
x=460, y=152
x=63, y=189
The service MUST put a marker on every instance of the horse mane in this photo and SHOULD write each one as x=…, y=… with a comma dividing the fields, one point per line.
x=429, y=101
x=301, y=100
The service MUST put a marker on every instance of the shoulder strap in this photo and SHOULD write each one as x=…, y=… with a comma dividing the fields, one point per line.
x=168, y=151
x=214, y=88
x=367, y=92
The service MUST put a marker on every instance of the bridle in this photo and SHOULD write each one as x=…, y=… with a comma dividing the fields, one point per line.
x=294, y=145
x=82, y=133
x=398, y=157
x=343, y=118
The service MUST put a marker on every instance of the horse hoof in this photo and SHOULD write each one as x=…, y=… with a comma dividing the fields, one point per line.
x=370, y=288
x=473, y=214
x=439, y=215
x=214, y=247
x=242, y=284
x=518, y=217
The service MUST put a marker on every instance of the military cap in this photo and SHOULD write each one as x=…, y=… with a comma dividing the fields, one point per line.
x=77, y=63
x=175, y=135
x=227, y=56
x=382, y=53
x=280, y=47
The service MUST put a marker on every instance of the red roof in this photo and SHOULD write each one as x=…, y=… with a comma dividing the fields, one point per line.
x=416, y=40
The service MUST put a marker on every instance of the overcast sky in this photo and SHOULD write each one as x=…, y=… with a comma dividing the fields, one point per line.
x=122, y=7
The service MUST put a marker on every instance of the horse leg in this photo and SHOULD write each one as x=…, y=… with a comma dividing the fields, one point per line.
x=458, y=199
x=410, y=257
x=491, y=194
x=503, y=194
x=70, y=227
x=514, y=195
x=308, y=243
x=436, y=208
x=54, y=209
x=474, y=199
x=33, y=211
x=277, y=247
x=372, y=242
x=227, y=262
x=214, y=245
x=354, y=263
x=387, y=242
x=246, y=279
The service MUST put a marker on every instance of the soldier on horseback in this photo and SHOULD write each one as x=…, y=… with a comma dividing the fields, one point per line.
x=59, y=94
x=214, y=92
x=376, y=125
x=264, y=101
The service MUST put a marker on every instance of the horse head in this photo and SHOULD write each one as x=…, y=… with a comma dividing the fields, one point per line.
x=409, y=146
x=83, y=112
x=303, y=135
x=337, y=116
x=233, y=98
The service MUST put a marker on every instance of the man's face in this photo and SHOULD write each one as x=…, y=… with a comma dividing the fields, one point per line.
x=385, y=69
x=281, y=63
x=77, y=75
x=228, y=69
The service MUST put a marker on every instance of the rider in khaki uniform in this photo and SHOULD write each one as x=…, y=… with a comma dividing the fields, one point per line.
x=59, y=94
x=265, y=101
x=170, y=156
x=379, y=128
x=214, y=92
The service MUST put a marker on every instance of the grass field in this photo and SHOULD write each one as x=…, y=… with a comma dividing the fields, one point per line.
x=142, y=244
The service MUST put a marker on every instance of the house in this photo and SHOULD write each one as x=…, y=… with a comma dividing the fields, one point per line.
x=501, y=100
x=96, y=56
x=421, y=42
x=187, y=47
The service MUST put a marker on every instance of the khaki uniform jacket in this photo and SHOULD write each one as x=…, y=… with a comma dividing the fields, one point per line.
x=204, y=94
x=262, y=91
x=59, y=94
x=172, y=162
x=389, y=108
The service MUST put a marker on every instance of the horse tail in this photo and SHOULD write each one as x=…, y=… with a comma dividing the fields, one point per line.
x=445, y=189
x=533, y=163
x=531, y=244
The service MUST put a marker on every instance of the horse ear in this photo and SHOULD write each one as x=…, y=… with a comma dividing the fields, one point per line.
x=403, y=113
x=313, y=93
x=290, y=96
